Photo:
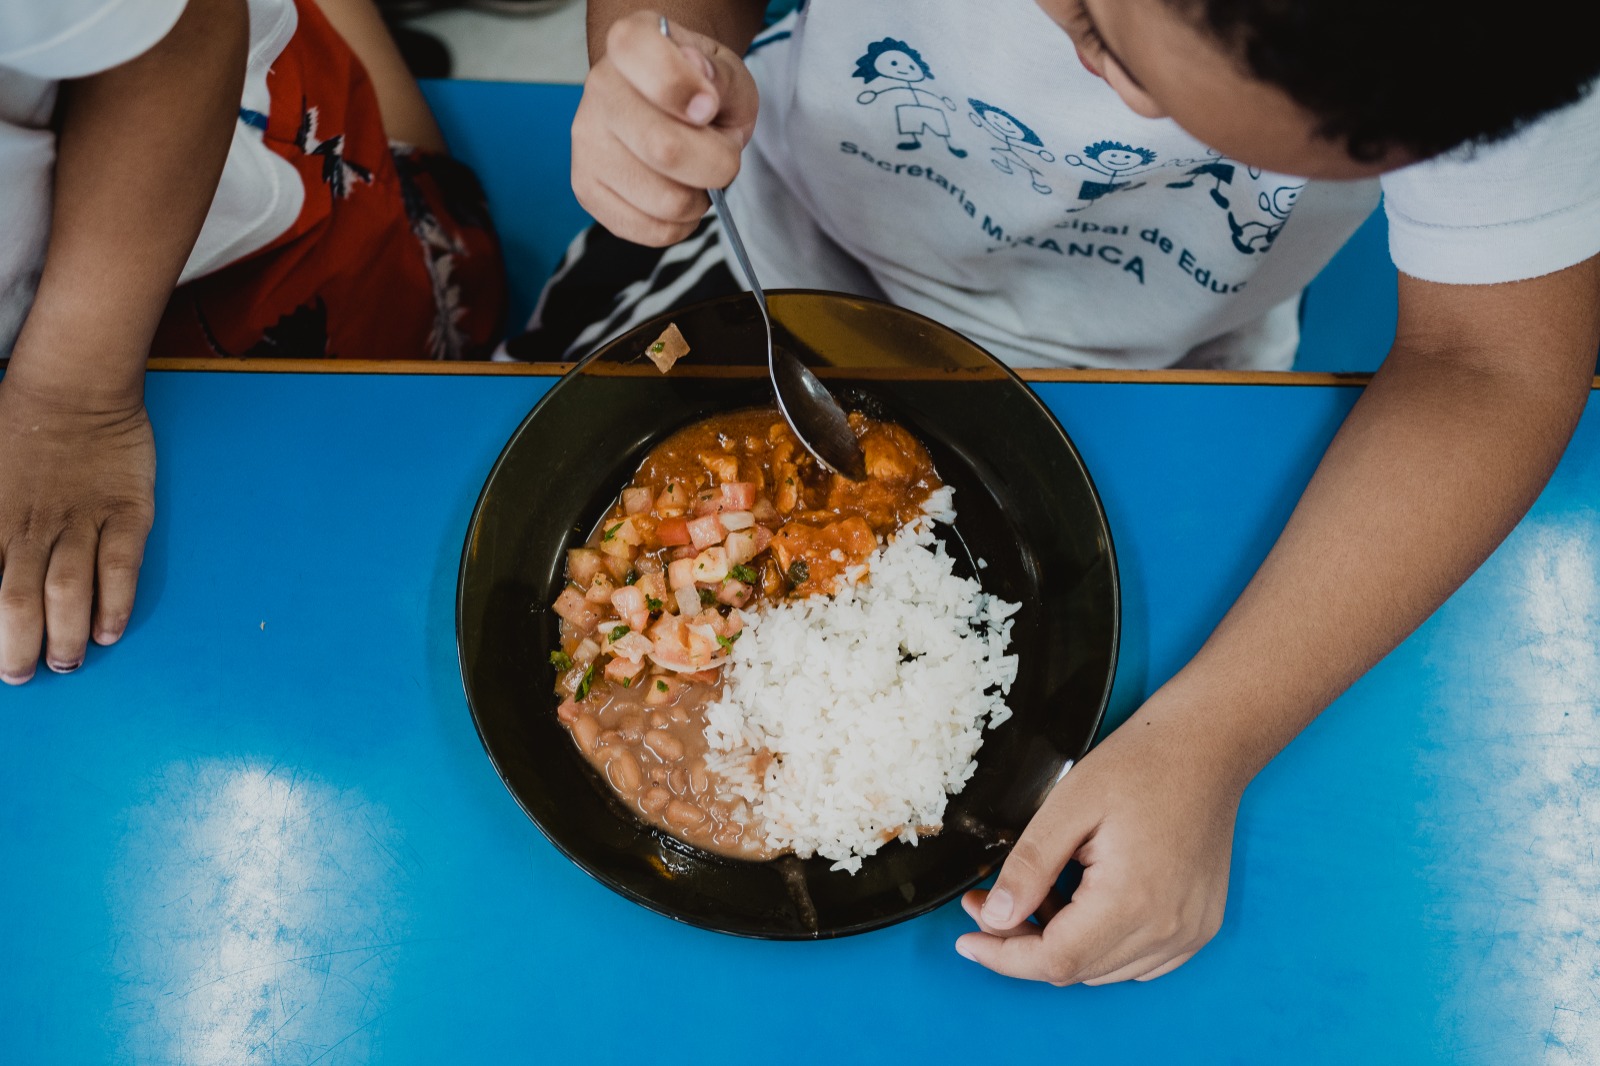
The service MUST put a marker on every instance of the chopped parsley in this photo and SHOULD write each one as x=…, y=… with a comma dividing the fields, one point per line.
x=584, y=683
x=661, y=686
x=798, y=572
x=741, y=572
x=560, y=660
x=727, y=642
x=658, y=347
x=652, y=604
x=707, y=597
x=627, y=682
x=618, y=633
x=608, y=534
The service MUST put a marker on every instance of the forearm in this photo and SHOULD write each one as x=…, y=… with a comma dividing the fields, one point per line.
x=1443, y=454
x=140, y=149
x=735, y=23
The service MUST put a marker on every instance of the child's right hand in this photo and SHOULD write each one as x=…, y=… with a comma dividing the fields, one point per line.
x=661, y=121
x=77, y=496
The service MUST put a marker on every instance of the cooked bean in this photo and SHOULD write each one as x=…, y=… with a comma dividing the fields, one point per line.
x=664, y=744
x=658, y=720
x=679, y=780
x=631, y=727
x=654, y=800
x=700, y=780
x=586, y=730
x=622, y=770
x=684, y=814
x=678, y=714
x=610, y=738
x=657, y=775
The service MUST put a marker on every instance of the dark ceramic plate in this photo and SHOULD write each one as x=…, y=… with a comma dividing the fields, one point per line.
x=1025, y=505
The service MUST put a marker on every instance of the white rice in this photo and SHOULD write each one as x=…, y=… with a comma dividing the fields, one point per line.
x=872, y=701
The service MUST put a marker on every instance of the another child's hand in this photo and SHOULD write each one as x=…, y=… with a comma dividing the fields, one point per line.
x=660, y=122
x=1153, y=827
x=77, y=496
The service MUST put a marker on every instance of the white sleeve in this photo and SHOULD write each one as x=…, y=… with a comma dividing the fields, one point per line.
x=1520, y=208
x=58, y=39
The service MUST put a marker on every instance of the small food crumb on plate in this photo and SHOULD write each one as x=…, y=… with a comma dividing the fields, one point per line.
x=668, y=348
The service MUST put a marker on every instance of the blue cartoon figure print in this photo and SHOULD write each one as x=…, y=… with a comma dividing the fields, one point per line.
x=1113, y=161
x=1217, y=170
x=921, y=112
x=1253, y=236
x=1015, y=138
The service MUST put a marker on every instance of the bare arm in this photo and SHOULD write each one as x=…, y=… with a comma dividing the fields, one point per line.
x=1443, y=454
x=140, y=150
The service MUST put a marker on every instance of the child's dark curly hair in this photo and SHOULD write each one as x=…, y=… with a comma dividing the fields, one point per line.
x=1421, y=76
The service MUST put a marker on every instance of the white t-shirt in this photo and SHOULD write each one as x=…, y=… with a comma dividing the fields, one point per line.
x=44, y=42
x=957, y=159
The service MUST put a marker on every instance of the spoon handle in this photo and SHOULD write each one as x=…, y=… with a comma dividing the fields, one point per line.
x=720, y=203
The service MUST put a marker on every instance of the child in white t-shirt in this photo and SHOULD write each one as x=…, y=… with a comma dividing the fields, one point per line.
x=1159, y=199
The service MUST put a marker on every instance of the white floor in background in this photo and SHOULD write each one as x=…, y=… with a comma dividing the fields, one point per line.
x=550, y=48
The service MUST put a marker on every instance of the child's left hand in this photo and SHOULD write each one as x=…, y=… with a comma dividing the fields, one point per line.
x=1151, y=820
x=77, y=496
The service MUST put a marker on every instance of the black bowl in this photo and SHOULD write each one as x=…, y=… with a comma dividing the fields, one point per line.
x=1026, y=508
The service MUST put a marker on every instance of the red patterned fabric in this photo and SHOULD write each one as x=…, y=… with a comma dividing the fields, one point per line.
x=393, y=255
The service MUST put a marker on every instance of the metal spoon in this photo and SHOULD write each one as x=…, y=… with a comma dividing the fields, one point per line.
x=809, y=408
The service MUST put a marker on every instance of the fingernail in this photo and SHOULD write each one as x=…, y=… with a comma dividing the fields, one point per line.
x=64, y=668
x=997, y=908
x=964, y=951
x=17, y=679
x=702, y=108
x=107, y=636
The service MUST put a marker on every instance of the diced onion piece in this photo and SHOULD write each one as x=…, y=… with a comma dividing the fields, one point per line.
x=618, y=550
x=674, y=500
x=654, y=587
x=708, y=501
x=618, y=566
x=733, y=520
x=764, y=511
x=600, y=590
x=577, y=611
x=620, y=670
x=633, y=646
x=583, y=564
x=586, y=652
x=629, y=603
x=741, y=547
x=624, y=531
x=711, y=566
x=706, y=531
x=763, y=538
x=738, y=495
x=688, y=600
x=734, y=593
x=680, y=574
x=637, y=500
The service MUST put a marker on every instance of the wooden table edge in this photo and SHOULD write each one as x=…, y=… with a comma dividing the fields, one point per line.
x=486, y=369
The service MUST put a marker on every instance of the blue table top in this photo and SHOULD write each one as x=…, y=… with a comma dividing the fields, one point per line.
x=262, y=830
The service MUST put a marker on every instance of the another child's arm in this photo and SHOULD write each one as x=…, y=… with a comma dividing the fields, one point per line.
x=139, y=152
x=662, y=120
x=1446, y=450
